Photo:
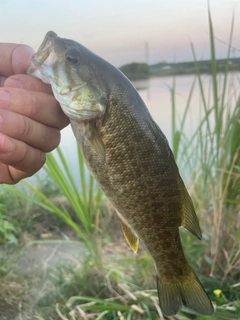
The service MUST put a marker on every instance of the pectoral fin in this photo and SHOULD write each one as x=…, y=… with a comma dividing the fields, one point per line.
x=97, y=143
x=129, y=235
x=188, y=215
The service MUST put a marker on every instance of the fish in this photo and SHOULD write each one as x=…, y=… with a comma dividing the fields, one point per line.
x=130, y=158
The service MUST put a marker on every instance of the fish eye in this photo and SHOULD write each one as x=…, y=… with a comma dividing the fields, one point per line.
x=73, y=56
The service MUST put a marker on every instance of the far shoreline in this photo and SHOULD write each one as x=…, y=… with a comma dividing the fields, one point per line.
x=139, y=71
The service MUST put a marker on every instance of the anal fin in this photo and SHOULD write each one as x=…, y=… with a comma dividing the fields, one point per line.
x=129, y=235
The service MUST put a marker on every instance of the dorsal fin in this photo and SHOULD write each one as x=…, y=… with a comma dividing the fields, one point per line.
x=189, y=218
x=129, y=235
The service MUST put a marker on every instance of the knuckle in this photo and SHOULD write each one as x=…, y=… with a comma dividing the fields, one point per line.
x=24, y=155
x=33, y=106
x=25, y=128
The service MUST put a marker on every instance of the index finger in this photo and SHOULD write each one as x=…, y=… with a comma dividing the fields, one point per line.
x=14, y=58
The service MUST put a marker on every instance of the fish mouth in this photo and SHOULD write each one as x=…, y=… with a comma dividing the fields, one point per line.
x=45, y=49
x=76, y=106
x=43, y=55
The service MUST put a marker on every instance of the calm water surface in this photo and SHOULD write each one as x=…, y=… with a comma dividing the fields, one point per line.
x=157, y=96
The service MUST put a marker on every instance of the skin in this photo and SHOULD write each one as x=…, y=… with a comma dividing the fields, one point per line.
x=30, y=117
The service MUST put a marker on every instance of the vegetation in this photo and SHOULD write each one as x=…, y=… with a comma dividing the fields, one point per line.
x=107, y=281
x=135, y=70
x=85, y=205
x=214, y=166
x=189, y=67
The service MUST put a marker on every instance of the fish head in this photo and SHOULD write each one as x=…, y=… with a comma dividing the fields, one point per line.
x=67, y=66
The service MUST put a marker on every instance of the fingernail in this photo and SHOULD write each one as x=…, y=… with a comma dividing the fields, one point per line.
x=29, y=49
x=6, y=144
x=4, y=99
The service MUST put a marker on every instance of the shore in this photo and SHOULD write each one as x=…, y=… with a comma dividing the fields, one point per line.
x=136, y=71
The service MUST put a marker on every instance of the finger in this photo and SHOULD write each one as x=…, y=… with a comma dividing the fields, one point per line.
x=21, y=159
x=38, y=106
x=5, y=175
x=11, y=175
x=14, y=58
x=2, y=80
x=29, y=131
x=24, y=81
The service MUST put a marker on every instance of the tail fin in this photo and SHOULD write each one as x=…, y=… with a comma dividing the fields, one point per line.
x=186, y=291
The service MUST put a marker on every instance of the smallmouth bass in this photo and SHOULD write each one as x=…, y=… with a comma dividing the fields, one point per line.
x=130, y=158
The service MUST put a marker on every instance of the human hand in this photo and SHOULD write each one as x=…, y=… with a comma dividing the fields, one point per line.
x=30, y=117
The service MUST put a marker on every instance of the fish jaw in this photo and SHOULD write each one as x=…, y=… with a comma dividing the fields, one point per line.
x=79, y=100
x=43, y=59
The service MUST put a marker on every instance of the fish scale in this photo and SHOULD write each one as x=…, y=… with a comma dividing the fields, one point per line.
x=130, y=158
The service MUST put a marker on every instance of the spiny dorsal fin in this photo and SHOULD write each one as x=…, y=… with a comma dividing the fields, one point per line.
x=189, y=218
x=129, y=235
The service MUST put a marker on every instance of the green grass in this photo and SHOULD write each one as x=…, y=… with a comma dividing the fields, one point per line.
x=84, y=202
x=212, y=157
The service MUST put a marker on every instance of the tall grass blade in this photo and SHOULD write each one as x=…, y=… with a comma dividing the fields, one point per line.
x=68, y=188
x=85, y=203
x=47, y=204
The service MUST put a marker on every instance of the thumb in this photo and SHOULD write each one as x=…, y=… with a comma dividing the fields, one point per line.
x=14, y=58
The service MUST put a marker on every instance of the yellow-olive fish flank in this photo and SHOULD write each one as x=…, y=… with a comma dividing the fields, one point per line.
x=130, y=158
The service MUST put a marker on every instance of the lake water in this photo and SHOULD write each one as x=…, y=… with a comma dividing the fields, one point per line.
x=156, y=94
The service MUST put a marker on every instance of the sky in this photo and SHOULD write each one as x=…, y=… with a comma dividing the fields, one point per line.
x=120, y=30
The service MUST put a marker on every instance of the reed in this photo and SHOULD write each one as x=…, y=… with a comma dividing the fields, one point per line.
x=212, y=157
x=85, y=201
